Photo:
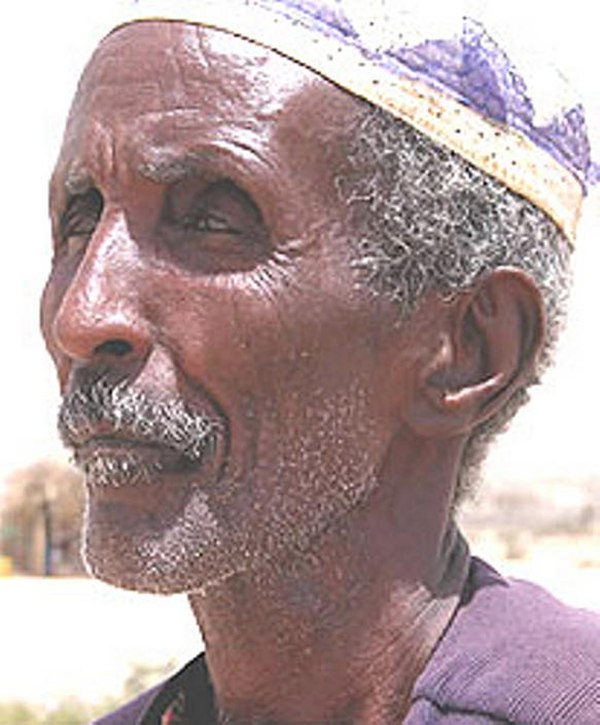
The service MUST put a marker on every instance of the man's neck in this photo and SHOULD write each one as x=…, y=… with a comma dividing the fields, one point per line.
x=339, y=633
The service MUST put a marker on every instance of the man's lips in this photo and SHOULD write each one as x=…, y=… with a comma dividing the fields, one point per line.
x=120, y=435
x=117, y=461
x=152, y=455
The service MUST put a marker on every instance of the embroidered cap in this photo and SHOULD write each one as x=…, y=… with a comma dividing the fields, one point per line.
x=438, y=71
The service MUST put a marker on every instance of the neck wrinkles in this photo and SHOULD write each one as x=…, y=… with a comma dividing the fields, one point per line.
x=331, y=623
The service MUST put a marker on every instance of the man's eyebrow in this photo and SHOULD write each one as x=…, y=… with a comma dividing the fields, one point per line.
x=166, y=168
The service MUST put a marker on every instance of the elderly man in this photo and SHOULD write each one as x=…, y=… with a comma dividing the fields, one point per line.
x=306, y=263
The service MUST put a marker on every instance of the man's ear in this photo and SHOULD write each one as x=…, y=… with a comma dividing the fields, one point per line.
x=489, y=343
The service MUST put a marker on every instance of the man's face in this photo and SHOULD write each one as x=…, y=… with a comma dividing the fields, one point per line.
x=224, y=378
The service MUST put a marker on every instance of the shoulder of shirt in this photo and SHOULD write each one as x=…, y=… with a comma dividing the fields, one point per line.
x=142, y=709
x=514, y=653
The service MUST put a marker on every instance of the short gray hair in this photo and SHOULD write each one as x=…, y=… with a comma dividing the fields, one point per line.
x=424, y=219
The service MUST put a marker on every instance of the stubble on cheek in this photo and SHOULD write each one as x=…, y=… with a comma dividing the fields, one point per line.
x=308, y=474
x=312, y=469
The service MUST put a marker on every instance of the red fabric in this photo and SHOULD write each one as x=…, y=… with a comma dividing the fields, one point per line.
x=175, y=711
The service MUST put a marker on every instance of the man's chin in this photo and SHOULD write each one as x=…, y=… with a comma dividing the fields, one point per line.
x=169, y=554
x=147, y=580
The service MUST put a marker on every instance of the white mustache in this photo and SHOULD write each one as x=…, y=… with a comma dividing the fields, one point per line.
x=102, y=408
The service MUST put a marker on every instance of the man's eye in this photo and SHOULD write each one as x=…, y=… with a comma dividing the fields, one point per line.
x=202, y=221
x=79, y=221
x=214, y=226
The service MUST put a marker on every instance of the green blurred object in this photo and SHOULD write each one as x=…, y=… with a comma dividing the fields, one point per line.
x=18, y=713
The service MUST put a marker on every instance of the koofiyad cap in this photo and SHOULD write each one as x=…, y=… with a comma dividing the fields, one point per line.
x=439, y=71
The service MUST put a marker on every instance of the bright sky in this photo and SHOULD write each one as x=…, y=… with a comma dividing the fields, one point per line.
x=41, y=53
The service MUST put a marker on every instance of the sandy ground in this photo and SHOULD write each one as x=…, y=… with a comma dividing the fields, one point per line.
x=77, y=637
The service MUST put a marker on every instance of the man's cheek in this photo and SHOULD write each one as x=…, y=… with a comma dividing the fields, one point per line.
x=232, y=345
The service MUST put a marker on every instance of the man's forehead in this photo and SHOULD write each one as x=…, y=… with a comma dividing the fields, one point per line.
x=166, y=61
x=161, y=84
x=163, y=101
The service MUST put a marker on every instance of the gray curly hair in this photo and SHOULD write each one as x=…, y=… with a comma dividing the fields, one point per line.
x=427, y=220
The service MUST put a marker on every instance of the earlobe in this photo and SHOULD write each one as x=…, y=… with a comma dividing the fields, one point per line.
x=492, y=336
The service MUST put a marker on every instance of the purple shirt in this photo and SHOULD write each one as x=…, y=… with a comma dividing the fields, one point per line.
x=511, y=654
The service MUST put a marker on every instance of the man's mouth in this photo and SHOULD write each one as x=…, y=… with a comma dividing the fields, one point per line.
x=116, y=461
x=121, y=436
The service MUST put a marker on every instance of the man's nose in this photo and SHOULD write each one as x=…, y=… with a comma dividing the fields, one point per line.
x=99, y=316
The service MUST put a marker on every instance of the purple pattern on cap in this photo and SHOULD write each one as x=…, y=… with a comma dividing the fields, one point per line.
x=476, y=71
x=471, y=67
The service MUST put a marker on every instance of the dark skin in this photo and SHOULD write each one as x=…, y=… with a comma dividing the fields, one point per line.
x=202, y=251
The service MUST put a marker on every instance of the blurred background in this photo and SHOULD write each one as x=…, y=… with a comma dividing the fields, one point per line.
x=69, y=644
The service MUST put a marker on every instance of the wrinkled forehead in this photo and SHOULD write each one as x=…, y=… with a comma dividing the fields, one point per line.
x=160, y=100
x=164, y=65
x=168, y=87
